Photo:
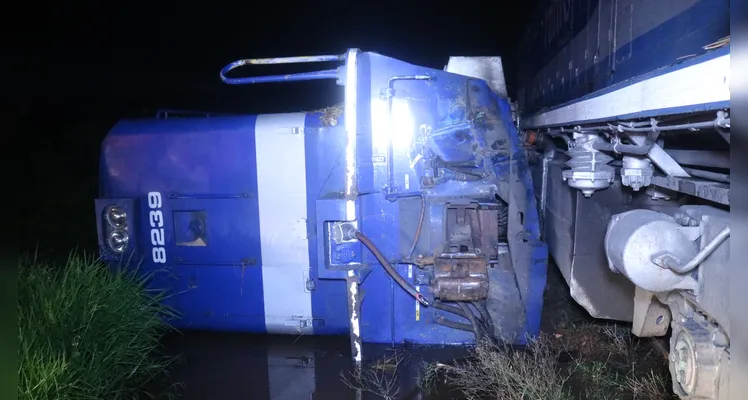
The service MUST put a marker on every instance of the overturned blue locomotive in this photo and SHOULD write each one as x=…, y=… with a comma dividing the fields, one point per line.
x=406, y=213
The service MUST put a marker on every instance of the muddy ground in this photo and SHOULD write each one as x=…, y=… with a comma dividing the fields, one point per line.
x=577, y=357
x=602, y=359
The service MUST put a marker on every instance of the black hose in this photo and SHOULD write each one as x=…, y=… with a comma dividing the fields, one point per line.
x=485, y=316
x=473, y=321
x=387, y=267
x=549, y=148
x=454, y=325
x=450, y=309
x=485, y=325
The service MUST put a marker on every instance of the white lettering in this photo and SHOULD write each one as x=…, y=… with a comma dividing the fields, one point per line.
x=156, y=219
x=159, y=255
x=157, y=237
x=154, y=200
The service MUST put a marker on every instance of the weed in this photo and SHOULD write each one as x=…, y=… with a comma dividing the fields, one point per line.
x=429, y=377
x=379, y=377
x=600, y=383
x=622, y=342
x=85, y=332
x=650, y=386
x=501, y=372
x=617, y=366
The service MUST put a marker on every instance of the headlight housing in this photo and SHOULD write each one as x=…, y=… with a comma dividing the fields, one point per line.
x=116, y=227
x=116, y=217
x=118, y=240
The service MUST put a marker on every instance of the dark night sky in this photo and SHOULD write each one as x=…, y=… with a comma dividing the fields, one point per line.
x=170, y=54
x=96, y=62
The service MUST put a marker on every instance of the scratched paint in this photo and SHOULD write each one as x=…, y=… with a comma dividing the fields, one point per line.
x=353, y=310
x=418, y=305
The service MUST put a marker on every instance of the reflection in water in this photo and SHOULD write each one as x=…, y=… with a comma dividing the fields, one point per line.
x=230, y=366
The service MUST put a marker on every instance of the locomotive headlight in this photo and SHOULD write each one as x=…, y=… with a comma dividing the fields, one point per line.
x=117, y=217
x=118, y=240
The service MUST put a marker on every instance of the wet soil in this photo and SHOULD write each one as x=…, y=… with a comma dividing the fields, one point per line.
x=602, y=360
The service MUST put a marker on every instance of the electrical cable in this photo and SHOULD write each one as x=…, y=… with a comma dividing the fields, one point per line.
x=454, y=325
x=485, y=316
x=473, y=320
x=390, y=270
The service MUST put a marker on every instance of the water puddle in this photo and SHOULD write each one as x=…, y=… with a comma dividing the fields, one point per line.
x=577, y=358
x=242, y=366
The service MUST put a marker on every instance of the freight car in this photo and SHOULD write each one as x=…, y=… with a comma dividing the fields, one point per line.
x=624, y=106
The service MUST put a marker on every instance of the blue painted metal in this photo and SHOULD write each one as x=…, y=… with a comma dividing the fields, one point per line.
x=371, y=163
x=578, y=47
x=167, y=113
x=692, y=108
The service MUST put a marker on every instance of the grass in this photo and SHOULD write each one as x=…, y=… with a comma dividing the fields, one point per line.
x=87, y=333
x=616, y=365
x=579, y=361
x=608, y=362
x=575, y=357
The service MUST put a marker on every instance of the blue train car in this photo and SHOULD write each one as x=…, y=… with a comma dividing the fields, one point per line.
x=625, y=108
x=386, y=216
x=577, y=49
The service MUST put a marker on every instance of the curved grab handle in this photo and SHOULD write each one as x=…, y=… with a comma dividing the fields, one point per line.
x=302, y=76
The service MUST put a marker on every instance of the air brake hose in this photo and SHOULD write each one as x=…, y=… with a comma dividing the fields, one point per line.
x=454, y=325
x=486, y=318
x=473, y=320
x=388, y=267
x=450, y=309
x=487, y=326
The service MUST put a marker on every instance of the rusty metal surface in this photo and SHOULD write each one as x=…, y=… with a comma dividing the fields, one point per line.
x=460, y=278
x=461, y=270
